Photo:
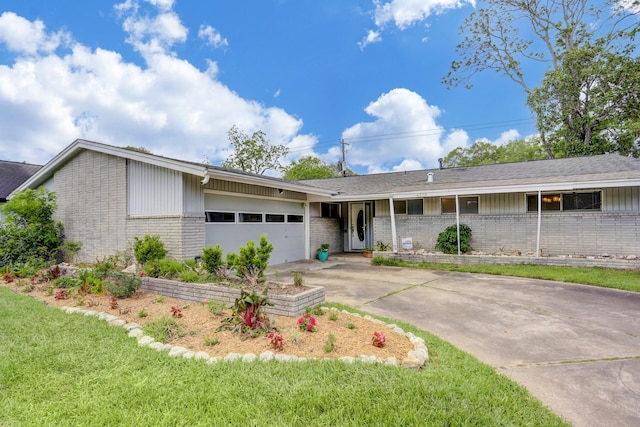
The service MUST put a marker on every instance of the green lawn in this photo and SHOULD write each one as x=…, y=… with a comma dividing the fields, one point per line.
x=628, y=280
x=63, y=369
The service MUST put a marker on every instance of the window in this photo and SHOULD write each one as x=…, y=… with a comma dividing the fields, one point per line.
x=468, y=205
x=249, y=217
x=329, y=210
x=220, y=217
x=274, y=217
x=407, y=207
x=565, y=201
x=295, y=218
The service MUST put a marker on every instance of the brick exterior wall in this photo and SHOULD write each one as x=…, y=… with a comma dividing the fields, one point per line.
x=564, y=233
x=92, y=205
x=325, y=230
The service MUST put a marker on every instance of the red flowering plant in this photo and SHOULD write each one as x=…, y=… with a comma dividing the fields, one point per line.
x=277, y=340
x=378, y=339
x=307, y=323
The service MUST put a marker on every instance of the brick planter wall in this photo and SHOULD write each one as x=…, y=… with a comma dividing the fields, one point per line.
x=283, y=305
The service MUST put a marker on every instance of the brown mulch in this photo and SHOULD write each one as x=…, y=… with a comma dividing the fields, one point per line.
x=199, y=324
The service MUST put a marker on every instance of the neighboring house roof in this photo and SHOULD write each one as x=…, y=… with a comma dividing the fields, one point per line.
x=606, y=170
x=199, y=169
x=12, y=174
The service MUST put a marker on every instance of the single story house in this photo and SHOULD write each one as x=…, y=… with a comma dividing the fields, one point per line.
x=12, y=174
x=107, y=195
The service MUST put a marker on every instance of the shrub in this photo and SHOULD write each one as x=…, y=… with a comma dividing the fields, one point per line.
x=253, y=258
x=248, y=318
x=330, y=344
x=65, y=282
x=149, y=248
x=122, y=285
x=188, y=276
x=28, y=231
x=212, y=258
x=166, y=268
x=277, y=340
x=448, y=240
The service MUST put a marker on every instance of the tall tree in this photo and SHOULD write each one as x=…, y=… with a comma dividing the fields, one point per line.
x=507, y=35
x=591, y=104
x=484, y=153
x=254, y=153
x=309, y=167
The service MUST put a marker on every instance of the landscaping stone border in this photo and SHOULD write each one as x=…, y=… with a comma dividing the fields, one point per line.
x=283, y=305
x=416, y=358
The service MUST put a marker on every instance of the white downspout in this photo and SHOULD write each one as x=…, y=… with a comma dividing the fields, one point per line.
x=394, y=236
x=307, y=232
x=458, y=221
x=539, y=223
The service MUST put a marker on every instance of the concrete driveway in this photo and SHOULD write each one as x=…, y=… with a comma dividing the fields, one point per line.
x=575, y=347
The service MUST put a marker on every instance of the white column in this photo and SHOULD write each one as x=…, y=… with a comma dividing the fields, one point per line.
x=394, y=236
x=458, y=221
x=307, y=231
x=539, y=223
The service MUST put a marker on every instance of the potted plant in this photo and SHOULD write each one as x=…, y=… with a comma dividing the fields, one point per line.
x=367, y=252
x=323, y=252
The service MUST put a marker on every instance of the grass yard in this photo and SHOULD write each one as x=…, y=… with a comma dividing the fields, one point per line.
x=62, y=369
x=627, y=280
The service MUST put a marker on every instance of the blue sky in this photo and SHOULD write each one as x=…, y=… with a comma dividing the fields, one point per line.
x=175, y=75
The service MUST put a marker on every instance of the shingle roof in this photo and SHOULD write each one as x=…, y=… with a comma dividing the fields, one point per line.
x=12, y=174
x=575, y=169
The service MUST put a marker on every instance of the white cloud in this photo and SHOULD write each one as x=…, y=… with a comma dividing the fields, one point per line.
x=403, y=135
x=406, y=13
x=166, y=105
x=22, y=36
x=371, y=37
x=507, y=136
x=212, y=36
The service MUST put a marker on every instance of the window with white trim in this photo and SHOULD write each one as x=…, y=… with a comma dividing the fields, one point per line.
x=215, y=216
x=249, y=217
x=295, y=218
x=576, y=201
x=468, y=205
x=274, y=217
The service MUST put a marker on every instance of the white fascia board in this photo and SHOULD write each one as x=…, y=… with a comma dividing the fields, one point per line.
x=265, y=182
x=561, y=186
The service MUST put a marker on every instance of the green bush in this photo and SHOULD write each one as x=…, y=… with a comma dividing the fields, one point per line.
x=212, y=258
x=188, y=276
x=149, y=248
x=166, y=268
x=28, y=232
x=253, y=258
x=448, y=240
x=66, y=282
x=122, y=285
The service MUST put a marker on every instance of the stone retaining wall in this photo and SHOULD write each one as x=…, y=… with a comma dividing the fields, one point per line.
x=283, y=305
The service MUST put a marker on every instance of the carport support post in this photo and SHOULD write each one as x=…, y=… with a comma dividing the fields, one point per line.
x=394, y=237
x=458, y=221
x=539, y=223
x=307, y=232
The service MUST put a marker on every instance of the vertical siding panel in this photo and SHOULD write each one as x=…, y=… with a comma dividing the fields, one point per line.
x=154, y=190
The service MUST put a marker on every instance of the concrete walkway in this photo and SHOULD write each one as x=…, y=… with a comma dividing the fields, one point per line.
x=574, y=347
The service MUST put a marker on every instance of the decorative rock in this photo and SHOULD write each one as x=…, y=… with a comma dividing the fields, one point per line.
x=231, y=357
x=90, y=313
x=214, y=359
x=347, y=359
x=249, y=357
x=398, y=330
x=412, y=363
x=367, y=317
x=118, y=322
x=283, y=358
x=130, y=326
x=266, y=356
x=135, y=333
x=165, y=347
x=201, y=355
x=392, y=361
x=156, y=346
x=145, y=341
x=630, y=257
x=188, y=355
x=177, y=351
x=367, y=359
x=108, y=317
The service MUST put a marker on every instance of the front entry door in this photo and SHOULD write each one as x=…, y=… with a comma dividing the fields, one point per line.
x=358, y=226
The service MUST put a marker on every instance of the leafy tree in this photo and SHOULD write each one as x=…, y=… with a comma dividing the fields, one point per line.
x=507, y=35
x=591, y=104
x=28, y=231
x=254, y=153
x=483, y=153
x=447, y=241
x=309, y=167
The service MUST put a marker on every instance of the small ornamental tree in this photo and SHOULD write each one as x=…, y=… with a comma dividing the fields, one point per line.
x=28, y=231
x=252, y=258
x=448, y=240
x=212, y=258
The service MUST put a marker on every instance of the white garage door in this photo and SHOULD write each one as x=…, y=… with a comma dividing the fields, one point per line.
x=232, y=221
